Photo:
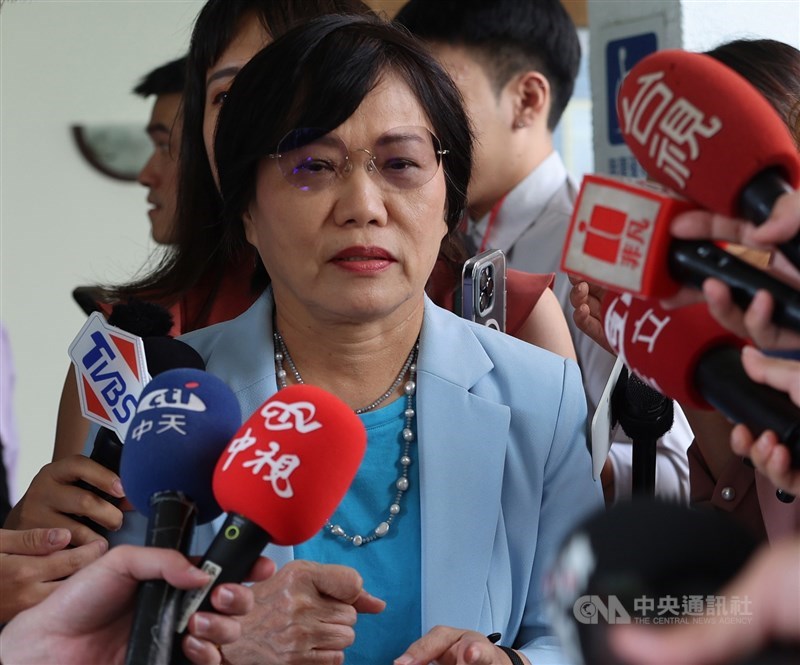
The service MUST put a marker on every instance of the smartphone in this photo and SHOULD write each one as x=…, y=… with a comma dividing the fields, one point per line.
x=483, y=289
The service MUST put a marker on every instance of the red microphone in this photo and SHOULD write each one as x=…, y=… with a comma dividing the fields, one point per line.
x=619, y=238
x=700, y=128
x=685, y=354
x=281, y=477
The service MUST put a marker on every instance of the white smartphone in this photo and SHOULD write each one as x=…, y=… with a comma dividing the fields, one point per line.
x=483, y=289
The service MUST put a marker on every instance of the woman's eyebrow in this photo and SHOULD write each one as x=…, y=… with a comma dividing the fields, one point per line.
x=225, y=72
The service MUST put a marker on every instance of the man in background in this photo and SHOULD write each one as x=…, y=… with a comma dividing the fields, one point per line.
x=160, y=172
x=515, y=63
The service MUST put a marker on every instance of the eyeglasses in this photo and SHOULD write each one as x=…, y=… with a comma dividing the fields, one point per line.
x=404, y=157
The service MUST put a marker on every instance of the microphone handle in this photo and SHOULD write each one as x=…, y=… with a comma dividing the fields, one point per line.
x=757, y=200
x=692, y=262
x=171, y=525
x=643, y=467
x=107, y=450
x=721, y=379
x=229, y=558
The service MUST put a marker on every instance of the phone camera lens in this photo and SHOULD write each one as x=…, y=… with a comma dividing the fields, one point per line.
x=486, y=297
x=486, y=279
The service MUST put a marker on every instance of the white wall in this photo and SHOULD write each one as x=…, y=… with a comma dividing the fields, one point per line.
x=61, y=223
x=707, y=23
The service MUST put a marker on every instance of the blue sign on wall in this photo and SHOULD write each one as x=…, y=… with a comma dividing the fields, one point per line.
x=621, y=56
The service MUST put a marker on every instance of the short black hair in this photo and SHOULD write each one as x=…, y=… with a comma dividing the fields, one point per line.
x=507, y=37
x=164, y=80
x=317, y=75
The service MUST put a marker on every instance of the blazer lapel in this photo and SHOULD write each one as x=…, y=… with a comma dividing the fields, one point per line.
x=462, y=439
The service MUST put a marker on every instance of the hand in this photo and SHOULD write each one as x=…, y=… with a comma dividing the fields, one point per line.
x=768, y=455
x=33, y=562
x=451, y=646
x=52, y=499
x=304, y=614
x=586, y=299
x=769, y=582
x=88, y=619
x=783, y=224
x=754, y=323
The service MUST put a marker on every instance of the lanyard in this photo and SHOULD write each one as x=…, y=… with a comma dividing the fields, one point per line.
x=492, y=219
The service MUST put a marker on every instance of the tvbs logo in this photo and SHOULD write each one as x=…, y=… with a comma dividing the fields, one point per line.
x=111, y=373
x=590, y=609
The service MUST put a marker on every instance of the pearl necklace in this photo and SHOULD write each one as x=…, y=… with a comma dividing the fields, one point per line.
x=409, y=368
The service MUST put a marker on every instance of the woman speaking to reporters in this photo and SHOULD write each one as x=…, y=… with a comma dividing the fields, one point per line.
x=343, y=155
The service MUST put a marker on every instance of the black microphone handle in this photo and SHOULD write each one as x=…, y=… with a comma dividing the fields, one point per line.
x=107, y=450
x=693, y=261
x=643, y=467
x=229, y=558
x=757, y=200
x=171, y=525
x=722, y=381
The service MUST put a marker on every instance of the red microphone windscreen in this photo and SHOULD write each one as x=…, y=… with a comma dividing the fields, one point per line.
x=290, y=464
x=700, y=128
x=663, y=347
x=619, y=235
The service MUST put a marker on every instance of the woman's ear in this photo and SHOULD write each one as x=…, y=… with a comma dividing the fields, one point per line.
x=249, y=227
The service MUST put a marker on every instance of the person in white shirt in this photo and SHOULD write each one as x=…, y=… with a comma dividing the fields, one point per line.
x=515, y=63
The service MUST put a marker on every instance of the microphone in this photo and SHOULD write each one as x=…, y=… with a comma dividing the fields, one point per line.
x=683, y=115
x=142, y=318
x=184, y=419
x=619, y=238
x=151, y=323
x=642, y=561
x=645, y=415
x=280, y=478
x=685, y=354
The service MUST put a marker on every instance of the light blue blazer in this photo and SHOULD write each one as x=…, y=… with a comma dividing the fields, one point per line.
x=504, y=468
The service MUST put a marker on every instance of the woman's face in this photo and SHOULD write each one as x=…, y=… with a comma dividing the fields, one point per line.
x=356, y=249
x=248, y=41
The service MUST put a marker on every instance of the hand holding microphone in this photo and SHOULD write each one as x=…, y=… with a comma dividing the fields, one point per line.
x=766, y=451
x=87, y=619
x=688, y=356
x=183, y=421
x=162, y=353
x=280, y=478
x=53, y=500
x=755, y=321
x=619, y=238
